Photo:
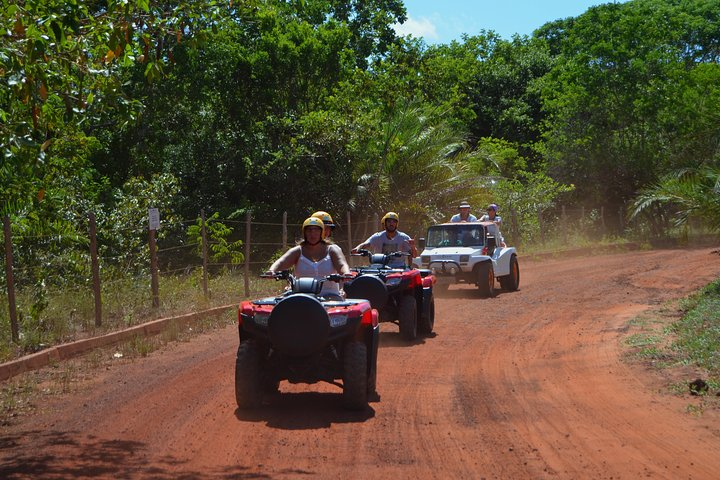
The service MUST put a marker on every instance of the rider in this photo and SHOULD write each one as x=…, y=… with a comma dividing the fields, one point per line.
x=390, y=240
x=314, y=257
x=464, y=215
x=492, y=216
x=328, y=221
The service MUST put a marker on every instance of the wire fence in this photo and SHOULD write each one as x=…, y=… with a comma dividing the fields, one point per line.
x=112, y=273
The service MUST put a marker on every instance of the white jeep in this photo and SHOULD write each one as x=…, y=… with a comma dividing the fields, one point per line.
x=468, y=252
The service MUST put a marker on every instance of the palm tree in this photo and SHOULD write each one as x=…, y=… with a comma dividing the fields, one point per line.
x=686, y=193
x=414, y=166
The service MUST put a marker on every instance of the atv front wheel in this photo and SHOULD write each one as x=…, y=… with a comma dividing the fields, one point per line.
x=355, y=376
x=248, y=385
x=427, y=318
x=407, y=311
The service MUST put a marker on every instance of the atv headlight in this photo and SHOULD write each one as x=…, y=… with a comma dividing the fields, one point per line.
x=261, y=319
x=393, y=282
x=338, y=320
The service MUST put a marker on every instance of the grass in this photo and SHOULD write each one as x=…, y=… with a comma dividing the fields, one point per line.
x=21, y=395
x=686, y=339
x=69, y=315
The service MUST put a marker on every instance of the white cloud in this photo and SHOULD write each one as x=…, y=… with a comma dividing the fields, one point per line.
x=417, y=28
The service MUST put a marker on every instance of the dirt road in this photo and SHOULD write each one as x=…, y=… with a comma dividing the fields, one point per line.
x=528, y=385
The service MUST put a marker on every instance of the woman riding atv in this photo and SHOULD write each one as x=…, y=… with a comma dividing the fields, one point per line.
x=314, y=257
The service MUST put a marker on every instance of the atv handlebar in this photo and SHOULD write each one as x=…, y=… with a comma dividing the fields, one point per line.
x=286, y=275
x=368, y=253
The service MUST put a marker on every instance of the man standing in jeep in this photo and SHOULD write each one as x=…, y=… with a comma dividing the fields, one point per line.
x=464, y=215
x=390, y=240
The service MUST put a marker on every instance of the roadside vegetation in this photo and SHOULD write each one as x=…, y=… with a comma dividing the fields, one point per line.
x=682, y=341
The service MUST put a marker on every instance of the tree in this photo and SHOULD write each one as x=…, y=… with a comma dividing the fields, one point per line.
x=622, y=92
x=682, y=195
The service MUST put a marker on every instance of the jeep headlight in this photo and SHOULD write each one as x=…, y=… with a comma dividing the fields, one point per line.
x=338, y=320
x=464, y=258
x=261, y=319
x=425, y=259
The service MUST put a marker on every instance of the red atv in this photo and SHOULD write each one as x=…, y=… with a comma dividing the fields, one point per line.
x=302, y=337
x=402, y=295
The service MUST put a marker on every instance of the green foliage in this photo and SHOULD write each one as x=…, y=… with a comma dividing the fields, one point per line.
x=59, y=62
x=680, y=196
x=620, y=95
x=524, y=198
x=124, y=229
x=217, y=234
x=698, y=332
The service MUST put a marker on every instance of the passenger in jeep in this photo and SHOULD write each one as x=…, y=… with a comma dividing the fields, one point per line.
x=315, y=257
x=390, y=240
x=491, y=215
x=464, y=215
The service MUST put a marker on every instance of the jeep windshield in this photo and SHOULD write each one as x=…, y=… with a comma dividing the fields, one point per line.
x=463, y=235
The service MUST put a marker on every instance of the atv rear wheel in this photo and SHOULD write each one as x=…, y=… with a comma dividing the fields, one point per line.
x=486, y=279
x=355, y=376
x=427, y=318
x=248, y=385
x=407, y=311
x=511, y=282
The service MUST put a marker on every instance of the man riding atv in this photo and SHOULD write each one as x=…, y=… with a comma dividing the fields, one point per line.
x=390, y=240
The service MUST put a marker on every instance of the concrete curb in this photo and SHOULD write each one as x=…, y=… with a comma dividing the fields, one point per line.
x=69, y=350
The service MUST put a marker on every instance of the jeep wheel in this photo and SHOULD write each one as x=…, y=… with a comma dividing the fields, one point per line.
x=427, y=318
x=248, y=386
x=486, y=279
x=355, y=376
x=511, y=282
x=407, y=311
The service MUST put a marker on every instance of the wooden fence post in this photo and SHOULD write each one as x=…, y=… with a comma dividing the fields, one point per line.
x=203, y=233
x=154, y=283
x=10, y=280
x=564, y=225
x=284, y=232
x=95, y=269
x=248, y=218
x=349, y=234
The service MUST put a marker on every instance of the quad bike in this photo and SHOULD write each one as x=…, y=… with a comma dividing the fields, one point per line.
x=401, y=295
x=302, y=337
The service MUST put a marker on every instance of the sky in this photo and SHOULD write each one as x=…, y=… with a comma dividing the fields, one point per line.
x=441, y=21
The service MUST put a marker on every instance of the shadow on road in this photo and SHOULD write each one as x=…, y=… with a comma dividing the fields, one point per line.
x=392, y=338
x=60, y=455
x=304, y=411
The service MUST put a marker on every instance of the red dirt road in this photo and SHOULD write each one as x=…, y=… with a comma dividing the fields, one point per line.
x=528, y=385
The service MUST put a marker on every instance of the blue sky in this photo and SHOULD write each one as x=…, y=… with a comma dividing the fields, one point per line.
x=441, y=21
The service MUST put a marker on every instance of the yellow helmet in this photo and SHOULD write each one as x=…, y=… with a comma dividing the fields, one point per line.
x=390, y=216
x=325, y=217
x=314, y=222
